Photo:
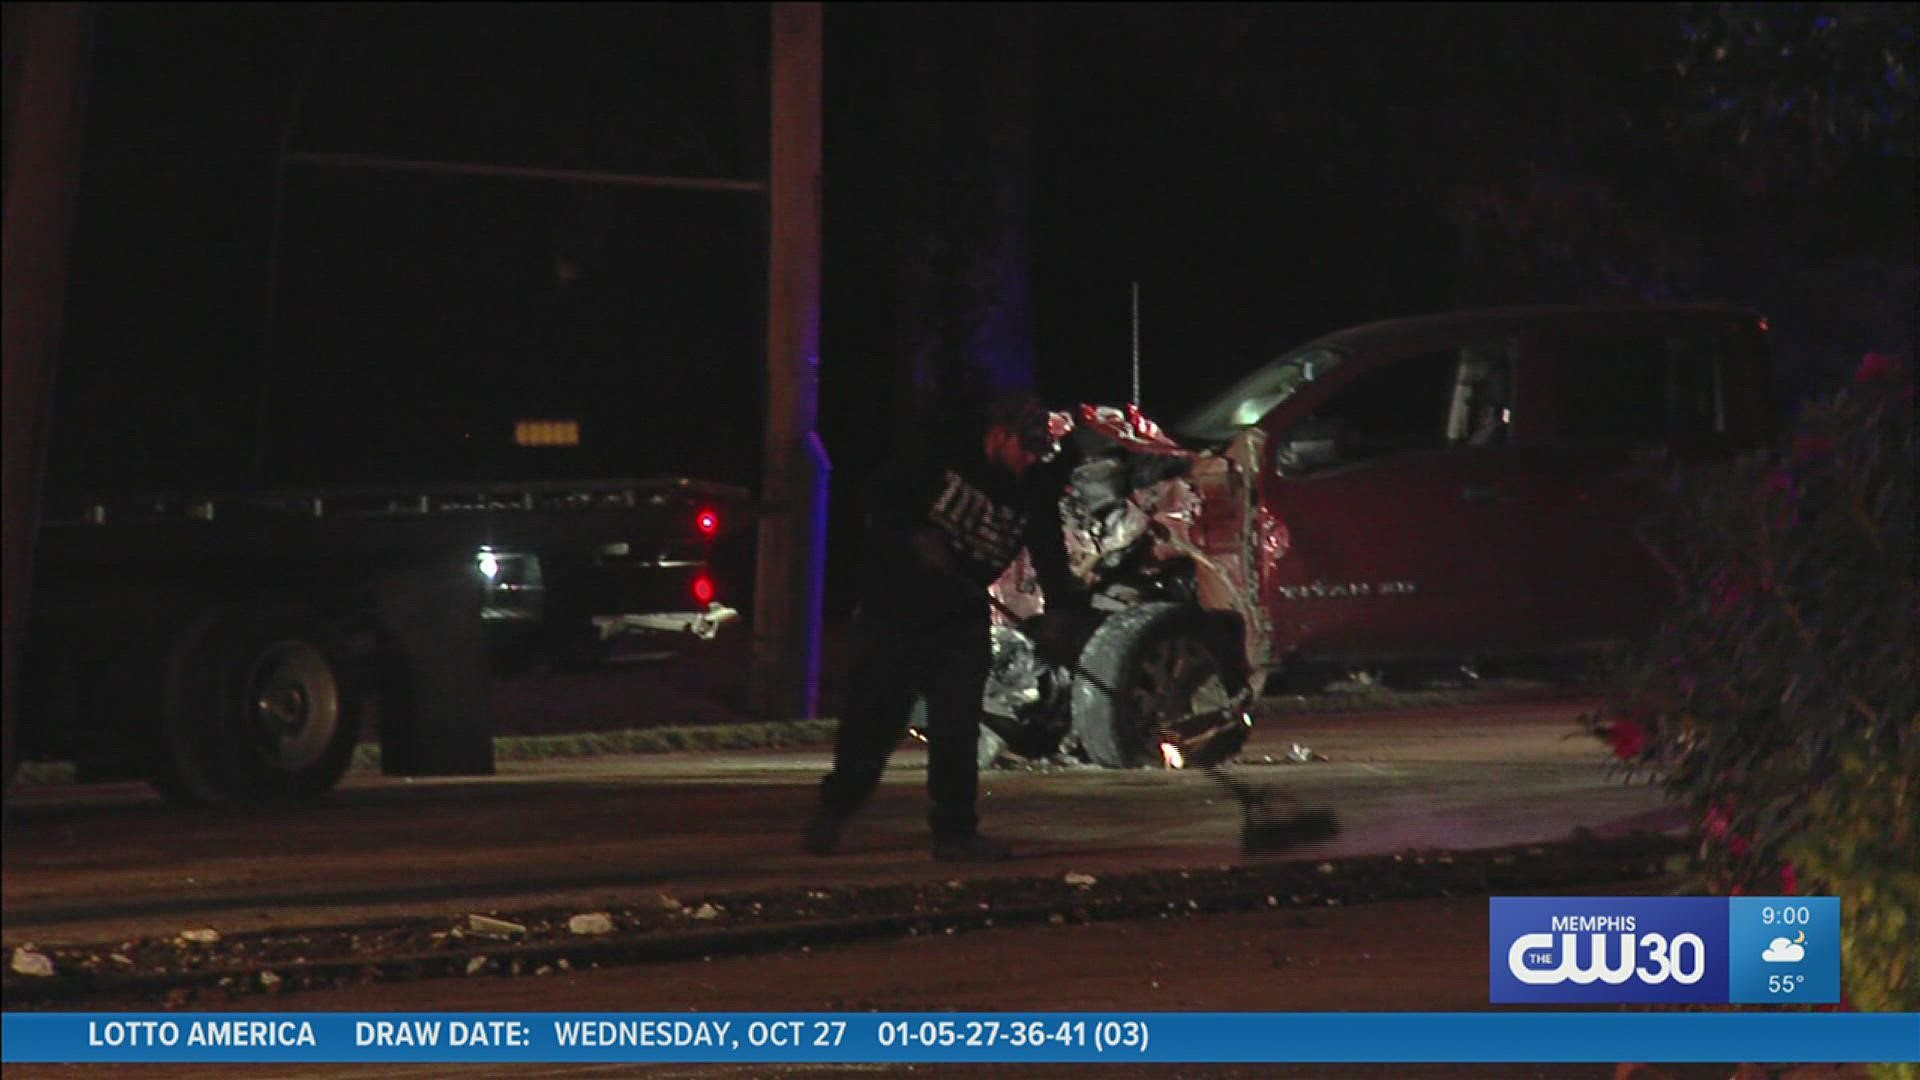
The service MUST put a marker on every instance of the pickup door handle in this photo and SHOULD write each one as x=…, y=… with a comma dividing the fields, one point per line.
x=1486, y=493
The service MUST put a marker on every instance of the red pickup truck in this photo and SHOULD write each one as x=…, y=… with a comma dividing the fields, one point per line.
x=1449, y=488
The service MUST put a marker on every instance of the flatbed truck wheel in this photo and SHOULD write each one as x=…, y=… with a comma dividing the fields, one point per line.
x=262, y=709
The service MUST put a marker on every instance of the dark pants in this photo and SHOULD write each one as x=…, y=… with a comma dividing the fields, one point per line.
x=896, y=656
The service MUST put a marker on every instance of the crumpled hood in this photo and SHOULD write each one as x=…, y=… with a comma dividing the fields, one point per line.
x=1140, y=503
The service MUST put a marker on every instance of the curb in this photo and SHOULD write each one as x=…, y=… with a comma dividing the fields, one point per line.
x=813, y=734
x=768, y=735
x=1294, y=885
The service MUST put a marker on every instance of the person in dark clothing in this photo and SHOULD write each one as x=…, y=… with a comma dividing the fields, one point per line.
x=941, y=528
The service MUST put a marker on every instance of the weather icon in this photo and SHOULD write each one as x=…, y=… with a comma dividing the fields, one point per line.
x=1782, y=951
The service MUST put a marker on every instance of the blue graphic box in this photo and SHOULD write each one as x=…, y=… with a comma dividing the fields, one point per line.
x=1785, y=949
x=1584, y=950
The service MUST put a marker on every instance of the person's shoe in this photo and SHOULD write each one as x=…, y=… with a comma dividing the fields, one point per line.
x=974, y=848
x=823, y=833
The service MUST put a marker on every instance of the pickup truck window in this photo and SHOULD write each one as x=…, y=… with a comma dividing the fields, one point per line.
x=1482, y=409
x=1398, y=408
x=1453, y=397
x=1248, y=401
x=1648, y=390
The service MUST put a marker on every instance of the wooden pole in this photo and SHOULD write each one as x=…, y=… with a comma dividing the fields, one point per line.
x=792, y=541
x=46, y=48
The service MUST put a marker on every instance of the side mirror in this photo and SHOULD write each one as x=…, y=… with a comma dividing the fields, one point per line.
x=1311, y=444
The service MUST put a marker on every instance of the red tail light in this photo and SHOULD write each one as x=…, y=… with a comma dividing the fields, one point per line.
x=703, y=590
x=707, y=522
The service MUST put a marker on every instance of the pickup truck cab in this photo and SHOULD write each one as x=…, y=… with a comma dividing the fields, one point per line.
x=1465, y=484
x=1450, y=488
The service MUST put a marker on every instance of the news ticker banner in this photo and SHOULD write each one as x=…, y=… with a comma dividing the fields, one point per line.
x=852, y=1038
x=1664, y=950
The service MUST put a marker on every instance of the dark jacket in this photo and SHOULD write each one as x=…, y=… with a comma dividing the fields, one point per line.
x=939, y=532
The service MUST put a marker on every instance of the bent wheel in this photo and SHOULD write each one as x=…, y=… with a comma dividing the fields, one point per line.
x=1156, y=686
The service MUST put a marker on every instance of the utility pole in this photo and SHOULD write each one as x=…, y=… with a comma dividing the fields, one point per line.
x=785, y=673
x=46, y=49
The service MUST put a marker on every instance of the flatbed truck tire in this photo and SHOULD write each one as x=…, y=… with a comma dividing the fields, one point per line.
x=263, y=709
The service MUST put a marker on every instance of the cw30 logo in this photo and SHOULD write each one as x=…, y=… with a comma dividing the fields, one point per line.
x=1615, y=954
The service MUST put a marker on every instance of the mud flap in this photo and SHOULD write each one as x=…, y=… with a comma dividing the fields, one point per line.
x=433, y=680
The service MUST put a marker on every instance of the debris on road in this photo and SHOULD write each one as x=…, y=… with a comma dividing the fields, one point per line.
x=319, y=958
x=28, y=962
x=1301, y=755
x=597, y=922
x=486, y=926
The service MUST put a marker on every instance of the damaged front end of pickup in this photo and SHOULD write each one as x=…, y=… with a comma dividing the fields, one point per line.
x=1171, y=544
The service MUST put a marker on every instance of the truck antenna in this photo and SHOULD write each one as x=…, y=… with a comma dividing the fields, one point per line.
x=1136, y=344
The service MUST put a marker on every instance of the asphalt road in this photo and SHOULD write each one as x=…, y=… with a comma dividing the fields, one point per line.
x=102, y=864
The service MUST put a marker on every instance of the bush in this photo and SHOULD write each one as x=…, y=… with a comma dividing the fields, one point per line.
x=1778, y=698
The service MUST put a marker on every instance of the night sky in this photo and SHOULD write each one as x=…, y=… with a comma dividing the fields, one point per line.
x=1267, y=173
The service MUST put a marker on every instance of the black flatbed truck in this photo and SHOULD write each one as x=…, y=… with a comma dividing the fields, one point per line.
x=230, y=648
